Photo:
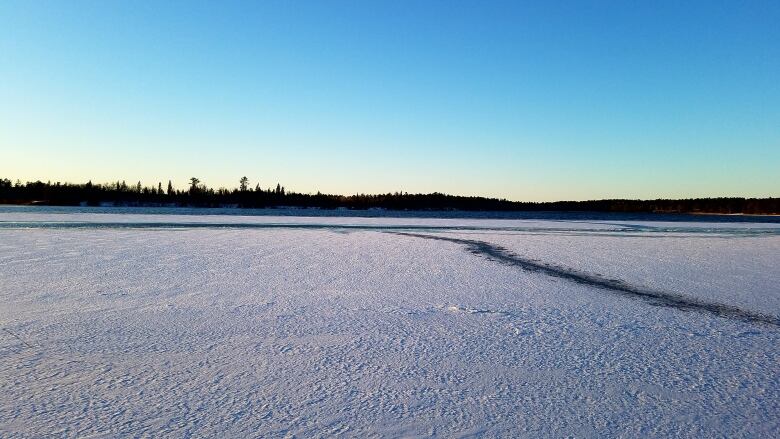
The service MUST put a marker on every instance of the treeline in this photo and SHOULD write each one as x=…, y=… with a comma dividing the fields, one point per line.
x=198, y=194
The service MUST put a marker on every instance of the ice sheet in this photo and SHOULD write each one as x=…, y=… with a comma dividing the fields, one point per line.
x=274, y=332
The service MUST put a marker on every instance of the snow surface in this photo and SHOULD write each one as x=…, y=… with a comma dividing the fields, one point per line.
x=186, y=326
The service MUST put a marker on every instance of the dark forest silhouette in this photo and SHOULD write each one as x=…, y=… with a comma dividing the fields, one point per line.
x=198, y=194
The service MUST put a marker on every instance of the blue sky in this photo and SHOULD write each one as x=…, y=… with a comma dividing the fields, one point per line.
x=529, y=101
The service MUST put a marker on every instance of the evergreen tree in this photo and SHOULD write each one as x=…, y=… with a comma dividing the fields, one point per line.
x=194, y=184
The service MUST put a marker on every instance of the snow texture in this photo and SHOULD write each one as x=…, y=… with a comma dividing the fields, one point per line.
x=188, y=326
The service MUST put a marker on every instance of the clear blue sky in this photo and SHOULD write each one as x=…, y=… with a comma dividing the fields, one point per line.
x=529, y=101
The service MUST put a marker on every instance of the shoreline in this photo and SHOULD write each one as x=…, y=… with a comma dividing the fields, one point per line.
x=374, y=212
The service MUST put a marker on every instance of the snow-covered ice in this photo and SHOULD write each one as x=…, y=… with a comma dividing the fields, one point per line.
x=194, y=326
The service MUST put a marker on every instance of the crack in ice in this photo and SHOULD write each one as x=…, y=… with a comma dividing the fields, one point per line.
x=13, y=334
x=652, y=297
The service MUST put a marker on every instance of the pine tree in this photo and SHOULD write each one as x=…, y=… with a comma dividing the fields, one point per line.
x=194, y=184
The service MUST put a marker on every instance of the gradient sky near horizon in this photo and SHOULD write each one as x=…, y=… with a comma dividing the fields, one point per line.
x=538, y=100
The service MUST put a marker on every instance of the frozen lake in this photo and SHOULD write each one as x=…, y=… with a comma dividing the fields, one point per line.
x=149, y=322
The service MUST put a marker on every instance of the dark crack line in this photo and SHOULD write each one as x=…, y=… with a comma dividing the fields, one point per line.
x=12, y=334
x=655, y=298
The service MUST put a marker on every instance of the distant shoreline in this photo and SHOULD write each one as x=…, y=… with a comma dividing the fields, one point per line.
x=377, y=210
x=200, y=195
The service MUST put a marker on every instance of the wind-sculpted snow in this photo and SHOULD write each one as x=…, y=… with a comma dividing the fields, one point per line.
x=127, y=326
x=656, y=298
